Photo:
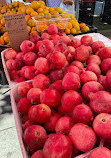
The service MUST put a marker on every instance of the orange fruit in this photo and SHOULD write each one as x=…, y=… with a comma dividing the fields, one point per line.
x=42, y=27
x=69, y=25
x=51, y=9
x=41, y=2
x=67, y=31
x=8, y=10
x=71, y=21
x=73, y=31
x=61, y=25
x=41, y=14
x=18, y=3
x=10, y=6
x=54, y=13
x=5, y=34
x=14, y=4
x=3, y=10
x=76, y=26
x=3, y=22
x=34, y=5
x=27, y=17
x=1, y=41
x=34, y=14
x=41, y=6
x=19, y=9
x=6, y=39
x=34, y=32
x=85, y=29
x=59, y=10
x=82, y=25
x=31, y=23
x=29, y=29
x=45, y=11
x=21, y=4
x=39, y=10
x=29, y=10
x=72, y=16
x=48, y=16
x=75, y=20
x=46, y=7
x=23, y=9
x=33, y=29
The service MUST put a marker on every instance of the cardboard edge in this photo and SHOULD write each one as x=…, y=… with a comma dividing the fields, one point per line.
x=18, y=122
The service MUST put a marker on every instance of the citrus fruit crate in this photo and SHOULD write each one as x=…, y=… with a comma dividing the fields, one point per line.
x=18, y=123
x=42, y=22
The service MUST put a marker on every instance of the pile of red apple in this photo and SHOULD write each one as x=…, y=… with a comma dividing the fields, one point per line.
x=66, y=108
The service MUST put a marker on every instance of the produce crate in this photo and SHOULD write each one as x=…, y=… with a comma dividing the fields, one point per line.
x=14, y=95
x=42, y=22
x=95, y=36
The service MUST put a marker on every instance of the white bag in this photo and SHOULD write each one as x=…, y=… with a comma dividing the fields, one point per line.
x=68, y=8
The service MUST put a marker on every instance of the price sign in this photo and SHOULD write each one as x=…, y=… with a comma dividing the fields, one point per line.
x=3, y=2
x=17, y=29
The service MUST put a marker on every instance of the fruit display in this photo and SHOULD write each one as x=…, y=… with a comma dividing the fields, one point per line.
x=36, y=57
x=4, y=39
x=66, y=106
x=40, y=10
x=42, y=22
